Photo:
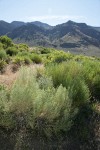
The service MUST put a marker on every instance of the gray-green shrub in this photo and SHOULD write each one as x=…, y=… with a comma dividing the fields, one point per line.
x=12, y=51
x=36, y=58
x=71, y=76
x=3, y=55
x=91, y=72
x=36, y=104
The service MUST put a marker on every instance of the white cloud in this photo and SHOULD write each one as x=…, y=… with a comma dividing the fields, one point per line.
x=54, y=17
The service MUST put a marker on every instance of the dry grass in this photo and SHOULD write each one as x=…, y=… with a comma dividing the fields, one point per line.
x=8, y=78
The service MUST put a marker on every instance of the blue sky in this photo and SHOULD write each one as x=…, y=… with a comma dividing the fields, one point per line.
x=51, y=11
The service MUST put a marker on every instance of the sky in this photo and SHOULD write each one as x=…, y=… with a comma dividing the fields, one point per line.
x=52, y=12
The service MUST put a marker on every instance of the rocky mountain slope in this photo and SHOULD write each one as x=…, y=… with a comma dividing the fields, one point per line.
x=69, y=35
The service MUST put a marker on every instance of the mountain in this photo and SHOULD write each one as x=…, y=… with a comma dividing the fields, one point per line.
x=97, y=28
x=66, y=35
x=17, y=24
x=40, y=24
x=5, y=27
x=76, y=37
x=71, y=34
x=30, y=34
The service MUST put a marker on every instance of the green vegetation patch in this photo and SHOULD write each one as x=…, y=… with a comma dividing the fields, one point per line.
x=48, y=101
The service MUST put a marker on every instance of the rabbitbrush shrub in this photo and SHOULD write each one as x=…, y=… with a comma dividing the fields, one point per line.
x=36, y=58
x=70, y=75
x=5, y=116
x=2, y=66
x=12, y=51
x=36, y=104
x=91, y=72
x=3, y=55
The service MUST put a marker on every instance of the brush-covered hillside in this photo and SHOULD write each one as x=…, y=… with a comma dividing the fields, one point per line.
x=78, y=38
x=52, y=101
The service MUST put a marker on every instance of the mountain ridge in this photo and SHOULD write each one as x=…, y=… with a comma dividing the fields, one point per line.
x=68, y=35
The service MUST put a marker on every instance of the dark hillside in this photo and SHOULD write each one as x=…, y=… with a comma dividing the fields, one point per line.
x=5, y=27
x=78, y=38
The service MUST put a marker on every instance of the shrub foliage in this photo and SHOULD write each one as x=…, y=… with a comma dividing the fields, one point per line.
x=48, y=100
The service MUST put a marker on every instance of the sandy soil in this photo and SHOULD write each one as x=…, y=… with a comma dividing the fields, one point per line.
x=8, y=78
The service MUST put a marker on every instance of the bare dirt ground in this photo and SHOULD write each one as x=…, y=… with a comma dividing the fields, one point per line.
x=9, y=76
